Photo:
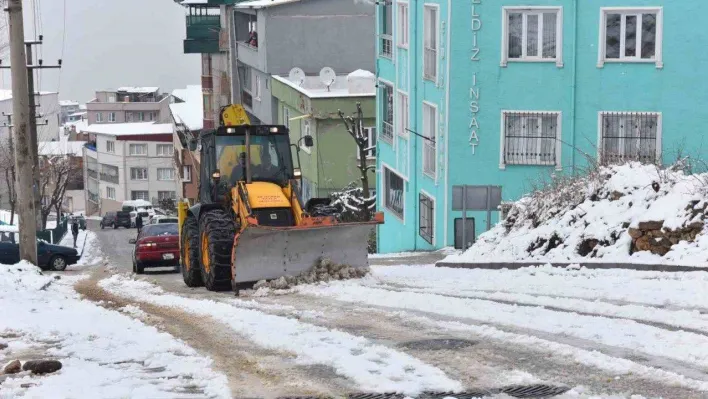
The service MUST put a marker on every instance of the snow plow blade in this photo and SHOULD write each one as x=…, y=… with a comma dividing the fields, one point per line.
x=266, y=253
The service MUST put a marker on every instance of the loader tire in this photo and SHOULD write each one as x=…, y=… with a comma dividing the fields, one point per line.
x=189, y=254
x=217, y=230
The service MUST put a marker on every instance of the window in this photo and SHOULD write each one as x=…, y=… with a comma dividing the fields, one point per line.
x=430, y=122
x=138, y=149
x=111, y=146
x=430, y=42
x=531, y=138
x=165, y=174
x=257, y=88
x=111, y=98
x=111, y=117
x=426, y=219
x=402, y=114
x=386, y=22
x=387, y=111
x=403, y=25
x=163, y=195
x=138, y=174
x=165, y=150
x=286, y=116
x=532, y=34
x=631, y=35
x=139, y=195
x=111, y=193
x=207, y=106
x=99, y=117
x=393, y=190
x=370, y=133
x=630, y=136
x=186, y=173
x=152, y=116
x=141, y=116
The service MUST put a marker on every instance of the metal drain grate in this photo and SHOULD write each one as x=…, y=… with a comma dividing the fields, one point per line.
x=534, y=391
x=538, y=391
x=458, y=395
x=375, y=396
x=438, y=344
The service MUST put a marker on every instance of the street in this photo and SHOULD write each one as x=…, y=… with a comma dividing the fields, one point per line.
x=503, y=343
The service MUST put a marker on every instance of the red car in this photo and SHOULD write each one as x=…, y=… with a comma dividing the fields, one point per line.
x=157, y=245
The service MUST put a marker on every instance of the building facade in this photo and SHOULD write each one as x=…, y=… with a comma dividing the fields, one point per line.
x=312, y=109
x=505, y=93
x=129, y=161
x=129, y=104
x=67, y=108
x=187, y=113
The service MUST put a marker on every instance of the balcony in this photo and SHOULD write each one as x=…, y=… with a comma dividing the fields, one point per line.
x=92, y=173
x=247, y=99
x=201, y=46
x=203, y=26
x=248, y=54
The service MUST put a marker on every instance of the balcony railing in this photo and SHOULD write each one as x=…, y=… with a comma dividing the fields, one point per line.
x=93, y=197
x=387, y=46
x=387, y=132
x=109, y=178
x=247, y=99
x=92, y=173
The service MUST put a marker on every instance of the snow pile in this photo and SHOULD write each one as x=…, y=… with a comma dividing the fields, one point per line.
x=630, y=213
x=324, y=271
x=87, y=245
x=104, y=354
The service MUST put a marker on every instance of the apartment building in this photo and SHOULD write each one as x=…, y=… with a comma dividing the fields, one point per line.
x=128, y=161
x=187, y=112
x=67, y=108
x=129, y=104
x=479, y=98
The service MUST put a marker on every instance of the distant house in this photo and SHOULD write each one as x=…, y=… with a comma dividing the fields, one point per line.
x=74, y=198
x=67, y=109
x=311, y=108
x=129, y=104
x=187, y=114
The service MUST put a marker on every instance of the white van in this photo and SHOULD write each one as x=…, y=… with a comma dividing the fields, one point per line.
x=135, y=207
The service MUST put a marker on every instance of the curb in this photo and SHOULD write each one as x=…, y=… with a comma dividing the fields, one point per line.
x=590, y=265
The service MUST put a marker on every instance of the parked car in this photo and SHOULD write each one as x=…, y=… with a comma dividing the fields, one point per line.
x=49, y=256
x=108, y=220
x=159, y=219
x=122, y=219
x=157, y=245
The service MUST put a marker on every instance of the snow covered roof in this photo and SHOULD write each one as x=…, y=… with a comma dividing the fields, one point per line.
x=62, y=147
x=6, y=94
x=130, y=129
x=191, y=111
x=257, y=4
x=80, y=126
x=79, y=113
x=68, y=103
x=359, y=83
x=130, y=89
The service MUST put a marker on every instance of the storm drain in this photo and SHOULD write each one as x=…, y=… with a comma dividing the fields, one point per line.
x=536, y=391
x=438, y=344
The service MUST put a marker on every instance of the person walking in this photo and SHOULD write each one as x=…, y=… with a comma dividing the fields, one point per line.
x=75, y=230
x=139, y=223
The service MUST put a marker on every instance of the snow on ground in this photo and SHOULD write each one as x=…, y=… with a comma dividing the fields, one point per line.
x=598, y=207
x=88, y=246
x=370, y=366
x=105, y=354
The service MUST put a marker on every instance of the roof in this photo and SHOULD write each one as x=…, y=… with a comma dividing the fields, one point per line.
x=80, y=126
x=257, y=4
x=79, y=113
x=130, y=89
x=359, y=83
x=68, y=103
x=190, y=112
x=130, y=129
x=63, y=147
x=6, y=94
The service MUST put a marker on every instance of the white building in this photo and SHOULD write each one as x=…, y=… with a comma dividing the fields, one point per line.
x=128, y=161
x=74, y=197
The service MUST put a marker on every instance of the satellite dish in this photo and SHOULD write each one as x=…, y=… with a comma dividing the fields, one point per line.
x=297, y=76
x=327, y=76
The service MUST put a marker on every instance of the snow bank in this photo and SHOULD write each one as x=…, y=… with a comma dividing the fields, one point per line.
x=631, y=213
x=372, y=367
x=88, y=246
x=105, y=354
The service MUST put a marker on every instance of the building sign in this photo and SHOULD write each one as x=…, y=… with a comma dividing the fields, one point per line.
x=474, y=90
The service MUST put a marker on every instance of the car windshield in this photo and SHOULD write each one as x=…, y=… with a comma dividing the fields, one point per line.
x=166, y=229
x=270, y=158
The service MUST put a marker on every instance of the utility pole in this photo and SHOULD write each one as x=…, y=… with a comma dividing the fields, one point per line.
x=20, y=109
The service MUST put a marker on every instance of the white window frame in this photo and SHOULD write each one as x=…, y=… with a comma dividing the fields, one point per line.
x=402, y=24
x=384, y=104
x=385, y=40
x=162, y=153
x=427, y=144
x=384, y=181
x=658, y=51
x=111, y=98
x=432, y=217
x=111, y=146
x=133, y=153
x=172, y=194
x=111, y=117
x=186, y=173
x=99, y=117
x=305, y=129
x=136, y=175
x=370, y=134
x=109, y=191
x=286, y=116
x=402, y=114
x=559, y=135
x=426, y=7
x=163, y=170
x=528, y=11
x=140, y=191
x=141, y=116
x=257, y=88
x=659, y=133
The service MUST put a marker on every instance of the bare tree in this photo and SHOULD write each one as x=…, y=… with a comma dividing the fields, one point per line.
x=7, y=171
x=57, y=173
x=355, y=126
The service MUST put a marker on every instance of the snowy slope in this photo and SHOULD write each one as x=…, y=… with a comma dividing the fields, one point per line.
x=589, y=220
x=105, y=354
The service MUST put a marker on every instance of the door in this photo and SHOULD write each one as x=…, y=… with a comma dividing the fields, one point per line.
x=469, y=232
x=43, y=253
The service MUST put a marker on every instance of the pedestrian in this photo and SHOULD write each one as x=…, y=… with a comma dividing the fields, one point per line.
x=75, y=230
x=139, y=223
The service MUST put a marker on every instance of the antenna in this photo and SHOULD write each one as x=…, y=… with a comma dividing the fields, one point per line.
x=297, y=76
x=327, y=76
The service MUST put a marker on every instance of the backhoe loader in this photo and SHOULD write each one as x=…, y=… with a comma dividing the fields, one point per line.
x=249, y=222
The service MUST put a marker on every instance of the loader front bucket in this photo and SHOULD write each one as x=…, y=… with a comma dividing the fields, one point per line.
x=266, y=253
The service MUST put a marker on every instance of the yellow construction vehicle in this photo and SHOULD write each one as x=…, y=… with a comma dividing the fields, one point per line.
x=249, y=223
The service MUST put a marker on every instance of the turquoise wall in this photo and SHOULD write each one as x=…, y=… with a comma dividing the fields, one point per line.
x=578, y=89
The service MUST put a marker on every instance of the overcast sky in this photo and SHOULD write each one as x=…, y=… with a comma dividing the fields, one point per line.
x=110, y=43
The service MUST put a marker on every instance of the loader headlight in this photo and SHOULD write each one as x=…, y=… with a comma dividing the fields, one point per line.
x=274, y=129
x=297, y=173
x=230, y=130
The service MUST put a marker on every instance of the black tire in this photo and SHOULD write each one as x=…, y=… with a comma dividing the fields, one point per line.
x=58, y=263
x=217, y=231
x=139, y=268
x=101, y=225
x=115, y=226
x=189, y=253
